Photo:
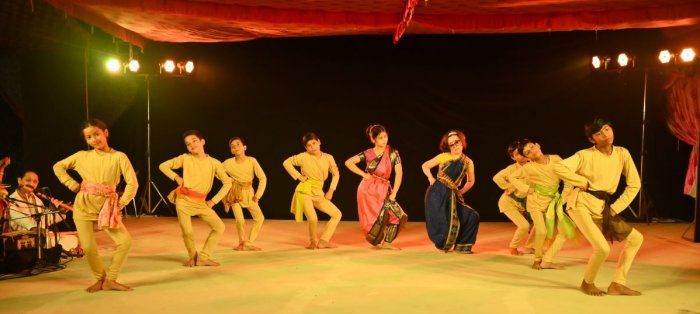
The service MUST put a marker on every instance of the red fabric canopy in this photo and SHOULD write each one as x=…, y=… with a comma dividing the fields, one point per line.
x=138, y=22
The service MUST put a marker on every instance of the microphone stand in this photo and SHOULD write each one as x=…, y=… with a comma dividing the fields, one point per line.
x=37, y=218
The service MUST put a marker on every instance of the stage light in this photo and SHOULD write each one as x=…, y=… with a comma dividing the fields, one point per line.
x=189, y=67
x=687, y=55
x=177, y=68
x=134, y=65
x=665, y=56
x=595, y=61
x=169, y=66
x=113, y=65
x=623, y=59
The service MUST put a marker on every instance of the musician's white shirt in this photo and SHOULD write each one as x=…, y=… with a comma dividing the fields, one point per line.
x=20, y=213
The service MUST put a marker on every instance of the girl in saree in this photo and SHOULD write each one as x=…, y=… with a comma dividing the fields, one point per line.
x=381, y=217
x=451, y=223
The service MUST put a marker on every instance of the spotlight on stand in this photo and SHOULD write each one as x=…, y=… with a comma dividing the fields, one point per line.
x=624, y=60
x=188, y=67
x=600, y=63
x=114, y=66
x=179, y=68
x=168, y=66
x=665, y=56
x=133, y=65
x=687, y=55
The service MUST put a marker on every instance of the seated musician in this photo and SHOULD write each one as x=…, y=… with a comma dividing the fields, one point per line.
x=25, y=203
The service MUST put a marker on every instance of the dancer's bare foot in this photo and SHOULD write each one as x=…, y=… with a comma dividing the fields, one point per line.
x=97, y=286
x=115, y=286
x=529, y=251
x=549, y=265
x=389, y=246
x=536, y=265
x=312, y=246
x=591, y=289
x=620, y=289
x=251, y=247
x=514, y=251
x=192, y=262
x=240, y=247
x=207, y=262
x=325, y=245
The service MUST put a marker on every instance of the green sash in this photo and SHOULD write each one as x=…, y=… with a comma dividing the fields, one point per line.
x=556, y=210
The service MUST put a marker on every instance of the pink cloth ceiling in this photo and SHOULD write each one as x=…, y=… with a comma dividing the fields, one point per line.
x=138, y=22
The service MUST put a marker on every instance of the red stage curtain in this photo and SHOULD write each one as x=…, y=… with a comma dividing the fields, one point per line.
x=683, y=114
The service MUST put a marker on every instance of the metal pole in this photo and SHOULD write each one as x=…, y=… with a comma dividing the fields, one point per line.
x=148, y=142
x=85, y=68
x=642, y=210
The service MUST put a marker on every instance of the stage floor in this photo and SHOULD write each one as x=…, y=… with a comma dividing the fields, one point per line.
x=286, y=278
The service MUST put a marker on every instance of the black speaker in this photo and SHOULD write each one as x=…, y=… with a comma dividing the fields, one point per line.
x=52, y=255
x=18, y=261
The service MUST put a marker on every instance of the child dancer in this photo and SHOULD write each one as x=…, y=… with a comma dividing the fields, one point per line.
x=512, y=202
x=380, y=215
x=198, y=172
x=97, y=201
x=595, y=174
x=242, y=170
x=449, y=220
x=544, y=202
x=315, y=166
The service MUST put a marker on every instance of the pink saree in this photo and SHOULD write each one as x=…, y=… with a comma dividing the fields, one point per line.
x=380, y=218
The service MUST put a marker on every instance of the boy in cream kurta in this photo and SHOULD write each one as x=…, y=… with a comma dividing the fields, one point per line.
x=542, y=187
x=598, y=169
x=512, y=202
x=243, y=169
x=199, y=170
x=315, y=166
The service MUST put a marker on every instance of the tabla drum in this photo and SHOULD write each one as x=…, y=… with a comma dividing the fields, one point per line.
x=18, y=241
x=68, y=240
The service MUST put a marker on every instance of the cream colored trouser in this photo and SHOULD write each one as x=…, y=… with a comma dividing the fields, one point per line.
x=601, y=247
x=121, y=238
x=540, y=233
x=258, y=219
x=559, y=241
x=523, y=227
x=187, y=208
x=324, y=205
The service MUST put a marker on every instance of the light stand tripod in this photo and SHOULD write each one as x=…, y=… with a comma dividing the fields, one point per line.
x=150, y=210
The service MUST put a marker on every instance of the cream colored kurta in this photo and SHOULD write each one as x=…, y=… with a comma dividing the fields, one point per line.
x=591, y=169
x=501, y=179
x=198, y=174
x=532, y=174
x=244, y=172
x=313, y=167
x=97, y=167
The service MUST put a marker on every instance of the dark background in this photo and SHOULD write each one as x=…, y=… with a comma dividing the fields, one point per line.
x=496, y=88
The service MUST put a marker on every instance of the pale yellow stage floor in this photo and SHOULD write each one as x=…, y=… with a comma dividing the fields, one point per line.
x=286, y=278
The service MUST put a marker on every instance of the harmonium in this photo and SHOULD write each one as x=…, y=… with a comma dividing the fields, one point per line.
x=18, y=241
